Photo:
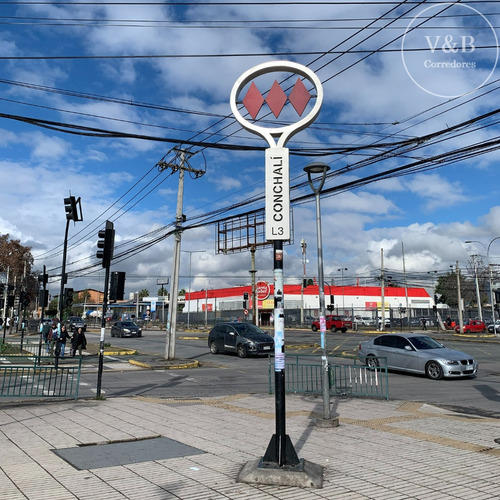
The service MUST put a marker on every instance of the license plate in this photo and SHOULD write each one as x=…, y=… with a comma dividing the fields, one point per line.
x=267, y=347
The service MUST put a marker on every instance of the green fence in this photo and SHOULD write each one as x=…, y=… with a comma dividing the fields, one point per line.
x=348, y=377
x=33, y=376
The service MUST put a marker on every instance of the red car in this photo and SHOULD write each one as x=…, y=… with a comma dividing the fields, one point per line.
x=333, y=323
x=473, y=326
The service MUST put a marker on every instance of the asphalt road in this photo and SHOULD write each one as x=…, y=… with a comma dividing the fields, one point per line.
x=227, y=374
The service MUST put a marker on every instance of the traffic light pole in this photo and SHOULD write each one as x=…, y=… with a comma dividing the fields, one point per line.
x=103, y=331
x=106, y=245
x=63, y=273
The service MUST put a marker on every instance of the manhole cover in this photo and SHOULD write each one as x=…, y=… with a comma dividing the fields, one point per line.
x=131, y=452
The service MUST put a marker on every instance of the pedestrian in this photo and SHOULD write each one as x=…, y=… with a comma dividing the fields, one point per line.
x=78, y=342
x=63, y=337
x=53, y=338
x=45, y=329
x=424, y=324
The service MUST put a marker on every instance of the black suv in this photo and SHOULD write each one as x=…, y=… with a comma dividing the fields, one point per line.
x=75, y=322
x=241, y=338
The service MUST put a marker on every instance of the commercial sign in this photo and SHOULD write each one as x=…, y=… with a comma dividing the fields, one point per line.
x=262, y=289
x=277, y=162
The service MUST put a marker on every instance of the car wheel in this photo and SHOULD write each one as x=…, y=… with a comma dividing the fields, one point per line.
x=484, y=329
x=343, y=330
x=242, y=351
x=433, y=370
x=333, y=329
x=372, y=361
x=112, y=333
x=314, y=328
x=213, y=347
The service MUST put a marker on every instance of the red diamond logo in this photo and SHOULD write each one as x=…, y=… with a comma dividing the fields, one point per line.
x=276, y=99
x=253, y=100
x=299, y=97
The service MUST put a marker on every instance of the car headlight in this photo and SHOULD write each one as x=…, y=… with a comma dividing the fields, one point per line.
x=449, y=362
x=126, y=330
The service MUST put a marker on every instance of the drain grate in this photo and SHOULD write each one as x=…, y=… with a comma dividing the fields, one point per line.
x=112, y=454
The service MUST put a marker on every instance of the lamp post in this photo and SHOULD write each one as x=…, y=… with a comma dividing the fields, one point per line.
x=303, y=245
x=342, y=269
x=492, y=300
x=190, y=252
x=319, y=170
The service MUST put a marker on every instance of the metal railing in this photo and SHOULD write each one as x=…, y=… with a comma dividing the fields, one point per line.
x=32, y=376
x=303, y=374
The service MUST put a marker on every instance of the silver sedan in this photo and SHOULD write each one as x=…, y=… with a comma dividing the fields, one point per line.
x=416, y=353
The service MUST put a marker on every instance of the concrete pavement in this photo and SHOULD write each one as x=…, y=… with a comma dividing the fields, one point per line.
x=139, y=448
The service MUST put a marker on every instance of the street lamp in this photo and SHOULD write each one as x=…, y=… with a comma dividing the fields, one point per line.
x=303, y=245
x=492, y=300
x=319, y=170
x=190, y=252
x=342, y=269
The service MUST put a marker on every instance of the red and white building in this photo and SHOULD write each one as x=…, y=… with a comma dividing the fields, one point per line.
x=348, y=300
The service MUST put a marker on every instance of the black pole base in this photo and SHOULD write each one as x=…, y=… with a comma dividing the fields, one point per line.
x=280, y=456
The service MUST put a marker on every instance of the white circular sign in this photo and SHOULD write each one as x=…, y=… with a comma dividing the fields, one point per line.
x=286, y=132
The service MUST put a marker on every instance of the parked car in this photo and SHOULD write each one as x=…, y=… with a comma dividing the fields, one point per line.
x=125, y=329
x=333, y=323
x=387, y=322
x=75, y=322
x=494, y=328
x=416, y=353
x=472, y=326
x=241, y=338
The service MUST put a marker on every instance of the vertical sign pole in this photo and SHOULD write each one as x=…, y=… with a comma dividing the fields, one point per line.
x=280, y=451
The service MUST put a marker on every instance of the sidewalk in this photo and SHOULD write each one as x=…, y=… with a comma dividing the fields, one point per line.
x=383, y=450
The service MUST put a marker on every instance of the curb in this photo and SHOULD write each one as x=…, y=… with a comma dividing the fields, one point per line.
x=125, y=352
x=166, y=364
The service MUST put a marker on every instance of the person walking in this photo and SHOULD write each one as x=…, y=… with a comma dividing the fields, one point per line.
x=63, y=337
x=53, y=338
x=78, y=342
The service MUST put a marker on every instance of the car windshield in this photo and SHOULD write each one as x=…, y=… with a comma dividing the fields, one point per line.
x=128, y=324
x=247, y=328
x=425, y=343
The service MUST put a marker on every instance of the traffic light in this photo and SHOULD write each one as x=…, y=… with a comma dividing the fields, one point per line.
x=332, y=300
x=68, y=297
x=71, y=208
x=117, y=287
x=245, y=298
x=106, y=243
x=24, y=300
x=43, y=298
x=330, y=307
x=2, y=288
x=304, y=282
x=43, y=278
x=497, y=296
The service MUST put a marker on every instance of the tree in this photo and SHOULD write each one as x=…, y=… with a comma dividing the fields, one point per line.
x=447, y=287
x=143, y=293
x=162, y=292
x=18, y=260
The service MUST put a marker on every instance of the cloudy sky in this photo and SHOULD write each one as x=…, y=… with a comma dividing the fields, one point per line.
x=93, y=96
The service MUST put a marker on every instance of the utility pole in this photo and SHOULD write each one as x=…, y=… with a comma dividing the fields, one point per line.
x=182, y=166
x=382, y=290
x=255, y=310
x=303, y=246
x=459, y=296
